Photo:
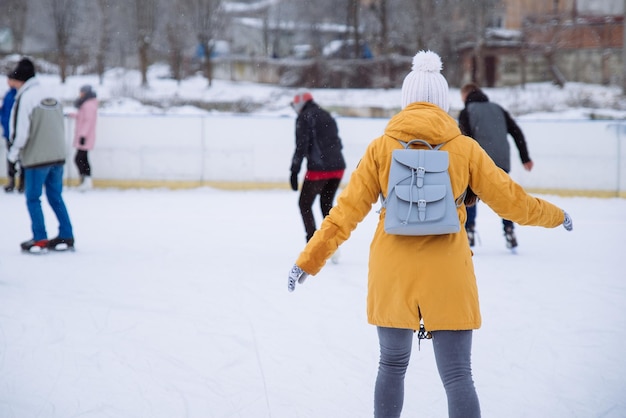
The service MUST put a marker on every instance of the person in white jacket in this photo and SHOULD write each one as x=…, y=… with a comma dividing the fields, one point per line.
x=38, y=141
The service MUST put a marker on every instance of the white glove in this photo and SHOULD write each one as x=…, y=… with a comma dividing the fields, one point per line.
x=567, y=222
x=296, y=274
x=13, y=155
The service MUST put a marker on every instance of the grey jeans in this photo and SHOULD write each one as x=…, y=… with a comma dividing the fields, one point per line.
x=453, y=356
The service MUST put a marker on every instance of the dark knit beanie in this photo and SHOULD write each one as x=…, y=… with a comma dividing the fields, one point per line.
x=24, y=70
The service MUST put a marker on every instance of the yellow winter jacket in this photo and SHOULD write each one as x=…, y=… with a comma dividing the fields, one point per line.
x=423, y=277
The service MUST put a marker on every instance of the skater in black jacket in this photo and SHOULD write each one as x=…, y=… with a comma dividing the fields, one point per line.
x=317, y=140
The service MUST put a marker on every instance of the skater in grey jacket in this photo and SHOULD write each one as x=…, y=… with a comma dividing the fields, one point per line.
x=489, y=124
x=38, y=141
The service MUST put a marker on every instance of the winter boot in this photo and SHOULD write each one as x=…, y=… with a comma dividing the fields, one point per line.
x=10, y=186
x=22, y=185
x=471, y=238
x=87, y=184
x=511, y=240
x=61, y=244
x=33, y=246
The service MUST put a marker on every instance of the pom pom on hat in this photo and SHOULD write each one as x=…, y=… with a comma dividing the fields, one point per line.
x=300, y=99
x=425, y=82
x=427, y=61
x=24, y=70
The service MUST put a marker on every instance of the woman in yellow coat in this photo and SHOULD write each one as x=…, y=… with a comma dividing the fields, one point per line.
x=427, y=279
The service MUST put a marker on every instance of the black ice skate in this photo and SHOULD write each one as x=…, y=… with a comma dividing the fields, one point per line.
x=471, y=237
x=10, y=186
x=511, y=240
x=61, y=244
x=35, y=247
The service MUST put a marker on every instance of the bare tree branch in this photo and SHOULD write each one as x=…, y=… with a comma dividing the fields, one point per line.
x=15, y=13
x=145, y=20
x=64, y=18
x=207, y=19
x=104, y=36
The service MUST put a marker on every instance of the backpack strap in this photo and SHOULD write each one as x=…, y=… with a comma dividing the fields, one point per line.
x=459, y=200
x=421, y=141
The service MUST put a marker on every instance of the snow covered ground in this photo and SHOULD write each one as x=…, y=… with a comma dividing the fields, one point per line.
x=175, y=305
x=120, y=92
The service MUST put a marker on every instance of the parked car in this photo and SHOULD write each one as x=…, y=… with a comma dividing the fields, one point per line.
x=344, y=49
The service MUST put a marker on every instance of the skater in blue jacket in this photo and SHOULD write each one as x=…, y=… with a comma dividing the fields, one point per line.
x=5, y=116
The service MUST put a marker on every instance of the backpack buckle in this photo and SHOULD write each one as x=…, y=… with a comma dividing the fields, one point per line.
x=420, y=172
x=421, y=209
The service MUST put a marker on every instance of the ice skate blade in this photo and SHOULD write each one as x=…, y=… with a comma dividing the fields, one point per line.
x=36, y=251
x=63, y=248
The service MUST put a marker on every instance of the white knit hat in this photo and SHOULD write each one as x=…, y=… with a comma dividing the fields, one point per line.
x=425, y=82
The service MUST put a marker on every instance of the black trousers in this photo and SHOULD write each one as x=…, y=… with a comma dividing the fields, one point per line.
x=326, y=189
x=82, y=162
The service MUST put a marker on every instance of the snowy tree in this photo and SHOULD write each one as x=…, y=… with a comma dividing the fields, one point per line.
x=105, y=9
x=207, y=20
x=624, y=54
x=14, y=17
x=176, y=38
x=145, y=13
x=64, y=16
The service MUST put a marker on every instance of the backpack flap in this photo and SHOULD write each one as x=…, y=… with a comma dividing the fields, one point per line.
x=420, y=204
x=436, y=162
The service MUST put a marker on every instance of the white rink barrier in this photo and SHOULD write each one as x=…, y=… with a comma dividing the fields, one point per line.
x=232, y=151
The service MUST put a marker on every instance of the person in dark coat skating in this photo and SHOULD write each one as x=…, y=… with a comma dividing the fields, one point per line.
x=317, y=140
x=489, y=124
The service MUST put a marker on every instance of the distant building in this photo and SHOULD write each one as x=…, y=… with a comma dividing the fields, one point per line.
x=560, y=41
